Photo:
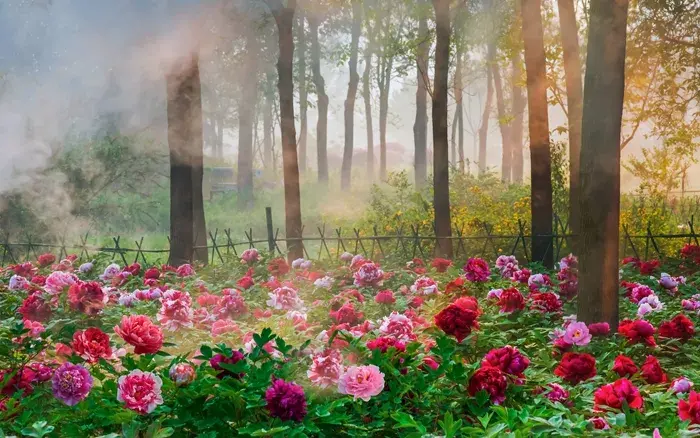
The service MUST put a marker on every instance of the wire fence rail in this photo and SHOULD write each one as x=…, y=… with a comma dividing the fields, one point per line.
x=410, y=241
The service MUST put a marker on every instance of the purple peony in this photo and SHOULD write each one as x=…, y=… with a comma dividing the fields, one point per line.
x=286, y=400
x=71, y=383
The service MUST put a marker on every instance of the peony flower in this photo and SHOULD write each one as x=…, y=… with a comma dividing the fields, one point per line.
x=521, y=276
x=92, y=345
x=369, y=275
x=489, y=379
x=286, y=400
x=681, y=385
x=652, y=372
x=459, y=318
x=599, y=423
x=624, y=366
x=384, y=343
x=557, y=393
x=185, y=270
x=346, y=314
x=325, y=282
x=648, y=267
x=424, y=286
x=296, y=264
x=140, y=391
x=218, y=359
x=223, y=326
x=71, y=383
x=494, y=294
x=477, y=270
x=86, y=268
x=87, y=297
x=650, y=303
x=507, y=359
x=507, y=265
x=17, y=282
x=346, y=257
x=35, y=308
x=614, y=394
x=511, y=300
x=539, y=282
x=277, y=267
x=35, y=328
x=441, y=265
x=285, y=298
x=250, y=256
x=326, y=368
x=568, y=262
x=397, y=326
x=385, y=297
x=456, y=286
x=175, y=310
x=139, y=331
x=182, y=374
x=110, y=272
x=690, y=410
x=638, y=331
x=577, y=334
x=576, y=367
x=599, y=328
x=230, y=305
x=680, y=327
x=363, y=382
x=546, y=302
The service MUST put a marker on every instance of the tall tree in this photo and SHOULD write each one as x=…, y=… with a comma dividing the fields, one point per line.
x=484, y=127
x=349, y=116
x=322, y=100
x=246, y=116
x=540, y=159
x=441, y=164
x=185, y=142
x=574, y=103
x=268, y=132
x=367, y=92
x=503, y=125
x=420, y=126
x=303, y=94
x=284, y=17
x=600, y=162
x=516, y=127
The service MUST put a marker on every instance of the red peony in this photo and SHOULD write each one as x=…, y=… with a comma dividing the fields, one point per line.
x=39, y=280
x=152, y=273
x=576, y=367
x=648, y=267
x=459, y=318
x=46, y=259
x=690, y=410
x=507, y=359
x=691, y=252
x=25, y=269
x=638, y=331
x=133, y=269
x=652, y=371
x=245, y=282
x=139, y=331
x=346, y=315
x=511, y=300
x=384, y=343
x=546, y=302
x=277, y=267
x=680, y=327
x=92, y=345
x=456, y=286
x=489, y=379
x=624, y=366
x=477, y=270
x=441, y=265
x=35, y=308
x=87, y=297
x=385, y=297
x=599, y=329
x=613, y=395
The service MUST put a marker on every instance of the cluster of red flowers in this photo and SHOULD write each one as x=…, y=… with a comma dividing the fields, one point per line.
x=459, y=318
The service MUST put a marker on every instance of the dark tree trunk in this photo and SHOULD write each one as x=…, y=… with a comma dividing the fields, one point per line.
x=540, y=160
x=246, y=118
x=420, y=126
x=367, y=98
x=268, y=132
x=516, y=127
x=600, y=163
x=574, y=102
x=384, y=79
x=284, y=16
x=346, y=169
x=185, y=143
x=502, y=124
x=484, y=128
x=441, y=171
x=322, y=102
x=303, y=95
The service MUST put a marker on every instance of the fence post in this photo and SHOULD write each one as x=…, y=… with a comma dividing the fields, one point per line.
x=270, y=235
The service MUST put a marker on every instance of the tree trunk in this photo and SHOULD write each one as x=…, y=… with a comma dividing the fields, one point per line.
x=574, y=102
x=420, y=126
x=384, y=79
x=346, y=169
x=197, y=144
x=484, y=128
x=322, y=102
x=441, y=171
x=502, y=124
x=453, y=139
x=303, y=95
x=284, y=16
x=185, y=145
x=600, y=163
x=246, y=117
x=268, y=132
x=540, y=160
x=367, y=98
x=516, y=127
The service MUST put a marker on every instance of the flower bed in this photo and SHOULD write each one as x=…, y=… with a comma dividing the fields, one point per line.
x=262, y=348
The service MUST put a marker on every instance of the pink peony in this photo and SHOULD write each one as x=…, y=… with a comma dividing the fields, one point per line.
x=424, y=286
x=361, y=382
x=369, y=275
x=231, y=304
x=539, y=282
x=521, y=276
x=326, y=368
x=175, y=310
x=223, y=326
x=285, y=298
x=139, y=331
x=385, y=297
x=250, y=256
x=185, y=270
x=182, y=374
x=681, y=385
x=577, y=334
x=398, y=326
x=58, y=281
x=140, y=391
x=477, y=270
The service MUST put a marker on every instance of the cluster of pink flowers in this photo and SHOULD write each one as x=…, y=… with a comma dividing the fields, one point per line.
x=368, y=275
x=507, y=265
x=175, y=310
x=424, y=286
x=285, y=298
